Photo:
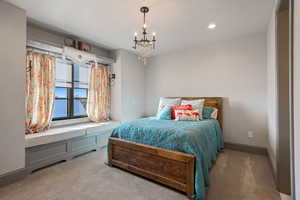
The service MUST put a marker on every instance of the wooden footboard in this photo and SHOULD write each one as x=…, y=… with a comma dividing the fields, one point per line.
x=171, y=168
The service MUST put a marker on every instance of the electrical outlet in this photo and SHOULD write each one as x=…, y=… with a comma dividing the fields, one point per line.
x=250, y=134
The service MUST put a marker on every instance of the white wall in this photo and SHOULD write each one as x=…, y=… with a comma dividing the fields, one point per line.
x=133, y=86
x=297, y=98
x=272, y=90
x=235, y=70
x=128, y=90
x=12, y=87
x=116, y=88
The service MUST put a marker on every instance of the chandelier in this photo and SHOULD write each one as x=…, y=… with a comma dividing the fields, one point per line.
x=145, y=44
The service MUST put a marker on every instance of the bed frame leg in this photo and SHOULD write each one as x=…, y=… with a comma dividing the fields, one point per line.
x=191, y=179
x=109, y=153
x=190, y=194
x=109, y=164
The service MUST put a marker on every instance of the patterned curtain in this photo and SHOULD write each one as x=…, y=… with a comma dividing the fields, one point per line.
x=98, y=106
x=40, y=84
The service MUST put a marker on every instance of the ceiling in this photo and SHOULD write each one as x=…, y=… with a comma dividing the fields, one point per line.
x=177, y=23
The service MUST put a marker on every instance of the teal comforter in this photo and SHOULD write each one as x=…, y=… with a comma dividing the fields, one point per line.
x=200, y=138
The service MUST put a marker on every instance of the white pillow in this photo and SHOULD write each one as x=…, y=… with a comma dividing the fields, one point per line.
x=168, y=101
x=196, y=104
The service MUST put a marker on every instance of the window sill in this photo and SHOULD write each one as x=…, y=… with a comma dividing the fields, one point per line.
x=66, y=132
x=68, y=122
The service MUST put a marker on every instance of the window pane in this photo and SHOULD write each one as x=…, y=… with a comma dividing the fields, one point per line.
x=81, y=75
x=63, y=73
x=60, y=108
x=80, y=93
x=61, y=92
x=79, y=107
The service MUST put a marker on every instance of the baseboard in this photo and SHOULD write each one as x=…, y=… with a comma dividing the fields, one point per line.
x=246, y=148
x=285, y=196
x=13, y=176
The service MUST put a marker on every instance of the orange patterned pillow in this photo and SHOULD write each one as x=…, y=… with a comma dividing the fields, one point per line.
x=177, y=107
x=187, y=115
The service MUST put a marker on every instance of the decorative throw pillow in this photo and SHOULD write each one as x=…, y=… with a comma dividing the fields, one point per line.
x=187, y=115
x=180, y=107
x=164, y=113
x=196, y=104
x=209, y=113
x=168, y=101
x=177, y=107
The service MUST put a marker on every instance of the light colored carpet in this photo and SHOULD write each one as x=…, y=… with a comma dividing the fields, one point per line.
x=235, y=176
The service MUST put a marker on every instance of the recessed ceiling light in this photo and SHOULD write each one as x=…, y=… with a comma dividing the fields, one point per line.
x=212, y=26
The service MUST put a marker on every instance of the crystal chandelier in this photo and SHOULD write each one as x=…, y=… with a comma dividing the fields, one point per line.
x=144, y=46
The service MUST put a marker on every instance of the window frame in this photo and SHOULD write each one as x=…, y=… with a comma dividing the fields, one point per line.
x=70, y=99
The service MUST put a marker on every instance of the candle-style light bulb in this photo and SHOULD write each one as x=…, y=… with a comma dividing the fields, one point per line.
x=144, y=26
x=153, y=36
x=135, y=36
x=153, y=40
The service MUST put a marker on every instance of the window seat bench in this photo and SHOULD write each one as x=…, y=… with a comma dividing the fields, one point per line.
x=65, y=142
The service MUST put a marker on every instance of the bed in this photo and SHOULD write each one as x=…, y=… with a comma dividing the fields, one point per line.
x=177, y=154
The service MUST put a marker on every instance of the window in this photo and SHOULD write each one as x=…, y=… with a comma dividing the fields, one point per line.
x=71, y=90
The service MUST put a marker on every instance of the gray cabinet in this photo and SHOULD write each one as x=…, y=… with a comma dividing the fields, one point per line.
x=47, y=154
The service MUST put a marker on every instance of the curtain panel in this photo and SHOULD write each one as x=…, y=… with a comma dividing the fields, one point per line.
x=98, y=106
x=40, y=87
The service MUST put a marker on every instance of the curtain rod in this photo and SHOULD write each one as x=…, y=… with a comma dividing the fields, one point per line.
x=60, y=56
x=57, y=52
x=42, y=51
x=57, y=55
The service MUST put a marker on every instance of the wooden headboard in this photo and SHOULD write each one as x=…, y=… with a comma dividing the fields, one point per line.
x=216, y=102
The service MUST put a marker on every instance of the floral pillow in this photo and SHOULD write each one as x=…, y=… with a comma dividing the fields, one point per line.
x=187, y=115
